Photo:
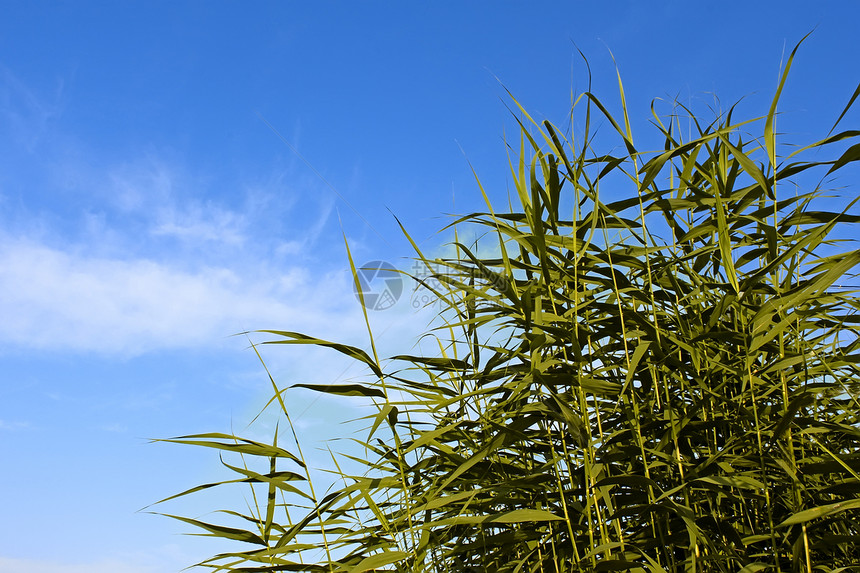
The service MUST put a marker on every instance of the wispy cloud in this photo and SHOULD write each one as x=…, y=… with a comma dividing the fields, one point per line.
x=24, y=112
x=11, y=426
x=103, y=566
x=203, y=223
x=166, y=558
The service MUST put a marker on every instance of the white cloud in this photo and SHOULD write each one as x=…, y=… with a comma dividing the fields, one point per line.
x=101, y=566
x=64, y=300
x=158, y=559
x=148, y=253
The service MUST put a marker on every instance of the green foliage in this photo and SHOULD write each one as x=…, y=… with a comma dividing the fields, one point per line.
x=665, y=382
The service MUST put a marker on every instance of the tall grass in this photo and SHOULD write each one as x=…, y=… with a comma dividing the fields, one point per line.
x=664, y=382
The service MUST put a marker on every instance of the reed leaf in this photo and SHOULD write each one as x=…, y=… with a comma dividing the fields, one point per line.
x=666, y=382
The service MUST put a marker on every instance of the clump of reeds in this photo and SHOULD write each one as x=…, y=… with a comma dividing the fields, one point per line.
x=665, y=381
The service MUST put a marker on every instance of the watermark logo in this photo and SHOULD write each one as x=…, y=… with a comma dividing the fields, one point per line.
x=426, y=275
x=380, y=283
x=434, y=281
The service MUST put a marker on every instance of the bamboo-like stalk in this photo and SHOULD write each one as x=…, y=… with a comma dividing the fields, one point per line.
x=664, y=382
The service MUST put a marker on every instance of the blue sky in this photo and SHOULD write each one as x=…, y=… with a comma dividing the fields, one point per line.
x=148, y=212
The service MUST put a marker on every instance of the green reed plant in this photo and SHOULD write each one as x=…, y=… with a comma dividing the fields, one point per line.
x=666, y=381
